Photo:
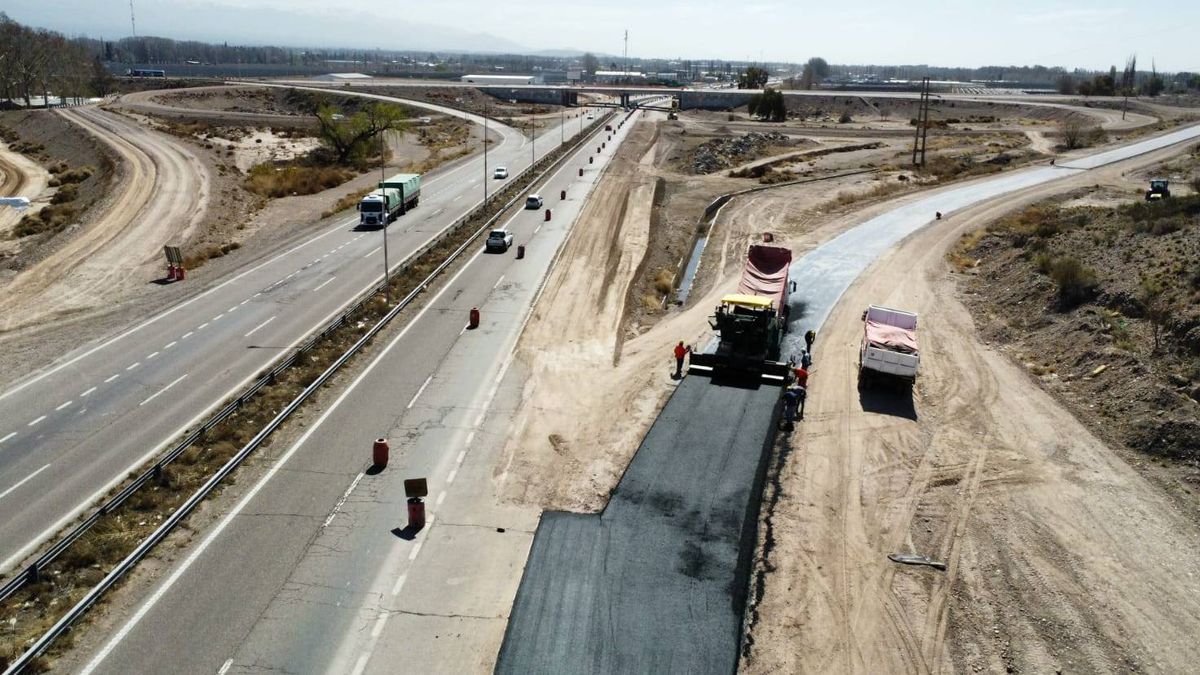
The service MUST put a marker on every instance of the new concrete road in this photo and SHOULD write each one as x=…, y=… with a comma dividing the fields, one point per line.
x=311, y=571
x=69, y=433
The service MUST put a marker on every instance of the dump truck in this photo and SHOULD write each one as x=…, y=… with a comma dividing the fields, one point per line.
x=751, y=322
x=889, y=345
x=394, y=198
x=1158, y=190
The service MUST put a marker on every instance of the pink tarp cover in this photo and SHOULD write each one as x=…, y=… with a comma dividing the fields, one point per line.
x=766, y=273
x=889, y=337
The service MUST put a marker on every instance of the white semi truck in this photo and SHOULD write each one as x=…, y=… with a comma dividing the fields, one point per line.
x=394, y=198
x=889, y=345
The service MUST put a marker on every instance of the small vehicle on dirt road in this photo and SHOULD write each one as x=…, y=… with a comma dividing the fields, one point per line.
x=889, y=345
x=500, y=173
x=533, y=201
x=498, y=240
x=1158, y=190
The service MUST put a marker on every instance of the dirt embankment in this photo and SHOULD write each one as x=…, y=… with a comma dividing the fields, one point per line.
x=1061, y=555
x=1100, y=300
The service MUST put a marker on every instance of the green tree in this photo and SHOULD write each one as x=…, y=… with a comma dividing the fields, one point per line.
x=590, y=63
x=101, y=82
x=753, y=78
x=815, y=70
x=1157, y=308
x=349, y=138
x=768, y=105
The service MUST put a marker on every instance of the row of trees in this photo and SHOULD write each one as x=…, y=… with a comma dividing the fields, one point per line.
x=36, y=63
x=1128, y=83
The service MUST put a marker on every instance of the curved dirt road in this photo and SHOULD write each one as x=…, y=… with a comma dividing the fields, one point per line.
x=164, y=195
x=19, y=177
x=1061, y=556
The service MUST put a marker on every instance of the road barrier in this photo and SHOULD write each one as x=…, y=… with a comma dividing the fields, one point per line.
x=32, y=572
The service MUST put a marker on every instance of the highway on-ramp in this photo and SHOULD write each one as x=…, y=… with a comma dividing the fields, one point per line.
x=70, y=432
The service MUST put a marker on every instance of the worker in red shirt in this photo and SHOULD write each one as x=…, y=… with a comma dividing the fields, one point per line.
x=680, y=352
x=802, y=377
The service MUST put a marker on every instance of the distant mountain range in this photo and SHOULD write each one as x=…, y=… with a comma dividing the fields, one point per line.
x=212, y=22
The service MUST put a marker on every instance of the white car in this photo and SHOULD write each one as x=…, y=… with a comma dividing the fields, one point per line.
x=533, y=202
x=498, y=240
x=500, y=173
x=591, y=116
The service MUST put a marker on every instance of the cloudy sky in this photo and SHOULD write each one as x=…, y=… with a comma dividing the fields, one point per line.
x=1071, y=33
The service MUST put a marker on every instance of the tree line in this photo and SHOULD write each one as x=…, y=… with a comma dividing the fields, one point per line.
x=38, y=63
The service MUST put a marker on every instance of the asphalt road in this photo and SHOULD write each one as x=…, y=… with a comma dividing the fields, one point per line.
x=657, y=582
x=322, y=582
x=70, y=432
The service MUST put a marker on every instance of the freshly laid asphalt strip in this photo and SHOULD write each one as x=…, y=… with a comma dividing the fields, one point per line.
x=656, y=582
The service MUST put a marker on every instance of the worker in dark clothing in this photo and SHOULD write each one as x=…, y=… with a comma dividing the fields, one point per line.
x=805, y=360
x=809, y=338
x=680, y=352
x=790, y=400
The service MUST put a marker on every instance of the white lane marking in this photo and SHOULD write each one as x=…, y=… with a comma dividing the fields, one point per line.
x=233, y=513
x=361, y=664
x=412, y=555
x=133, y=366
x=23, y=481
x=470, y=437
x=10, y=435
x=497, y=284
x=63, y=406
x=187, y=335
x=373, y=252
x=234, y=308
x=89, y=391
x=419, y=392
x=163, y=390
x=111, y=378
x=154, y=354
x=441, y=497
x=225, y=667
x=170, y=344
x=537, y=229
x=457, y=198
x=218, y=317
x=383, y=617
x=464, y=329
x=324, y=283
x=255, y=329
x=201, y=326
x=336, y=228
x=35, y=422
x=453, y=474
x=399, y=584
x=345, y=495
x=462, y=454
x=256, y=294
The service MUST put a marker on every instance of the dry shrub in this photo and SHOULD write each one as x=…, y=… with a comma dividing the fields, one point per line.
x=273, y=181
x=347, y=201
x=664, y=281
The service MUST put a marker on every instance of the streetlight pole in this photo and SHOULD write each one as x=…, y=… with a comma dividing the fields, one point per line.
x=387, y=286
x=485, y=144
x=532, y=142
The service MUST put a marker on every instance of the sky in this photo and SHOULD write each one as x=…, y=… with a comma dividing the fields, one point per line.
x=1070, y=33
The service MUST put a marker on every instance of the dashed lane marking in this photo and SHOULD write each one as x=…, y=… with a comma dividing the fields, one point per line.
x=324, y=284
x=37, y=421
x=163, y=390
x=24, y=480
x=89, y=391
x=63, y=406
x=256, y=328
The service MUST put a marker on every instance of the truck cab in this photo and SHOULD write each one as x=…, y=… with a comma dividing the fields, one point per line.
x=373, y=210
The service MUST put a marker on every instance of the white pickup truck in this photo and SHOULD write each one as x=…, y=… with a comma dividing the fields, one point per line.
x=889, y=344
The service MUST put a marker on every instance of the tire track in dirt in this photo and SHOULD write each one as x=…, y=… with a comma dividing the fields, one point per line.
x=164, y=192
x=1060, y=555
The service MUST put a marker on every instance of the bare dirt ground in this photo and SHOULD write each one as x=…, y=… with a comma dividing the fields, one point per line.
x=20, y=177
x=163, y=198
x=1062, y=556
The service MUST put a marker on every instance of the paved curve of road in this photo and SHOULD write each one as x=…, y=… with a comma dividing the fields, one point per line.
x=72, y=431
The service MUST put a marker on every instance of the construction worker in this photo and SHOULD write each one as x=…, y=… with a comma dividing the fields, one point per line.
x=809, y=338
x=801, y=374
x=805, y=359
x=680, y=352
x=791, y=399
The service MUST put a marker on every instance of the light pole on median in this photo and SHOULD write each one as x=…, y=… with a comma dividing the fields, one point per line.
x=387, y=286
x=485, y=144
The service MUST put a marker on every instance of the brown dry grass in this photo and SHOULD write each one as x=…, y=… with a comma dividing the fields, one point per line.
x=269, y=180
x=347, y=201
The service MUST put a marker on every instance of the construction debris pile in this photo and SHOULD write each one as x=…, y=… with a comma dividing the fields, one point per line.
x=722, y=153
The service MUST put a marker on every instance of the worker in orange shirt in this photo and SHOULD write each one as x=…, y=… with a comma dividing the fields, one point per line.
x=801, y=377
x=680, y=352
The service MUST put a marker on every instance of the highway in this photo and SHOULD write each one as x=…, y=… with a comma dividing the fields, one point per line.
x=70, y=432
x=326, y=580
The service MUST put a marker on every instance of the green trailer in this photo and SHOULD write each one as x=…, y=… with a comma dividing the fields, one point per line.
x=409, y=185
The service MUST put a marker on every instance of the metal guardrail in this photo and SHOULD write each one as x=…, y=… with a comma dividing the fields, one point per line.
x=31, y=573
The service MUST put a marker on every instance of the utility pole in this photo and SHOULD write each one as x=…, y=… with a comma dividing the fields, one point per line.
x=627, y=55
x=132, y=23
x=387, y=286
x=485, y=144
x=922, y=125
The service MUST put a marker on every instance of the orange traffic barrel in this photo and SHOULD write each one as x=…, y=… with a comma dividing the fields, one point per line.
x=416, y=513
x=379, y=452
x=473, y=318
